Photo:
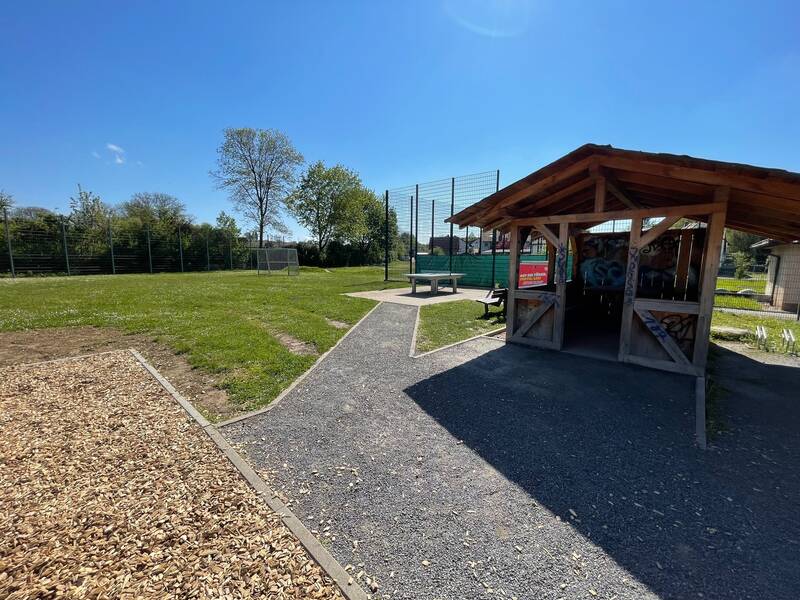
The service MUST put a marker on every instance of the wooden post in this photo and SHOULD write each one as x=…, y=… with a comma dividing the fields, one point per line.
x=700, y=412
x=600, y=194
x=513, y=279
x=631, y=283
x=561, y=285
x=714, y=234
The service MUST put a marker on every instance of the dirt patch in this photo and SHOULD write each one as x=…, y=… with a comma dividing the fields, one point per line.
x=197, y=386
x=295, y=346
x=337, y=324
x=109, y=490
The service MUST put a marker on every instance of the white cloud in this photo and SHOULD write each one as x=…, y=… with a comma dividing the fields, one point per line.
x=118, y=152
x=95, y=154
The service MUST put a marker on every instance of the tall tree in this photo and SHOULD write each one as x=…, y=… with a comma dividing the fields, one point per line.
x=87, y=210
x=322, y=202
x=6, y=200
x=365, y=226
x=157, y=210
x=258, y=169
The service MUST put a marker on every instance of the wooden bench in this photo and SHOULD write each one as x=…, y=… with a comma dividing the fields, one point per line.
x=496, y=297
x=434, y=279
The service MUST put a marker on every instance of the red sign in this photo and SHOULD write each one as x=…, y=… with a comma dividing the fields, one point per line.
x=531, y=274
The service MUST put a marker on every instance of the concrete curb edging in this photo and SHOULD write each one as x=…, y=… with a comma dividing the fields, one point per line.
x=412, y=351
x=299, y=380
x=343, y=580
x=488, y=334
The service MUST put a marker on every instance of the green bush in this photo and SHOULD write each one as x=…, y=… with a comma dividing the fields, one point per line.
x=742, y=263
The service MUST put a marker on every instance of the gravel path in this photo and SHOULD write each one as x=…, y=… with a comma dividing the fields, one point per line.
x=109, y=490
x=491, y=471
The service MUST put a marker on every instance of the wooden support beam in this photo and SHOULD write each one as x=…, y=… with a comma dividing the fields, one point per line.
x=663, y=337
x=700, y=412
x=615, y=188
x=599, y=191
x=651, y=234
x=547, y=234
x=685, y=210
x=513, y=279
x=631, y=283
x=561, y=285
x=714, y=234
x=533, y=317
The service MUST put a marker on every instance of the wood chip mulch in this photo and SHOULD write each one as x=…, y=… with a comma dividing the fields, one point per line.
x=109, y=490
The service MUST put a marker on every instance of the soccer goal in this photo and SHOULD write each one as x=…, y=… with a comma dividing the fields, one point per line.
x=277, y=259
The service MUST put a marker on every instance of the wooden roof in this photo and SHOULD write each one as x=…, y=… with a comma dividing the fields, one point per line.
x=762, y=201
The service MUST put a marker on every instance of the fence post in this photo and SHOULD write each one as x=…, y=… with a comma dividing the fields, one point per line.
x=8, y=242
x=416, y=227
x=149, y=250
x=386, y=238
x=433, y=212
x=494, y=237
x=230, y=249
x=208, y=257
x=64, y=239
x=411, y=236
x=111, y=247
x=180, y=246
x=452, y=210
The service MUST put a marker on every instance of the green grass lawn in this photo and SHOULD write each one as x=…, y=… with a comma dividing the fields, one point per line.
x=749, y=322
x=223, y=321
x=758, y=285
x=450, y=322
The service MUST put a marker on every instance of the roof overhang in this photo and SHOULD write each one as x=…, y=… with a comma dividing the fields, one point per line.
x=760, y=200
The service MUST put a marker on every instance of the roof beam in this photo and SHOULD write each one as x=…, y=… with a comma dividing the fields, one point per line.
x=705, y=176
x=527, y=190
x=663, y=211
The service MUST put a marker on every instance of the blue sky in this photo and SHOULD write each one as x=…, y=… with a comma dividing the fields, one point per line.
x=399, y=91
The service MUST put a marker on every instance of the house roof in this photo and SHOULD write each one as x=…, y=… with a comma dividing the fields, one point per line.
x=762, y=201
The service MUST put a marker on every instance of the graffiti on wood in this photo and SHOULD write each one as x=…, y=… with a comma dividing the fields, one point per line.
x=630, y=275
x=561, y=264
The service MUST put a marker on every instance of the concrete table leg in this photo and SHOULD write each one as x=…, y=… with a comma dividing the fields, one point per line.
x=434, y=287
x=455, y=285
x=413, y=286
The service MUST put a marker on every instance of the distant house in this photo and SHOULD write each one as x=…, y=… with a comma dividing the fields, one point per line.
x=783, y=273
x=443, y=243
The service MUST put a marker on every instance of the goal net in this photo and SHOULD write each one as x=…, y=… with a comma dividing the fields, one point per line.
x=277, y=259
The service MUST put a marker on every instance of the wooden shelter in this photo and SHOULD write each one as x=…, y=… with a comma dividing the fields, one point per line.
x=650, y=288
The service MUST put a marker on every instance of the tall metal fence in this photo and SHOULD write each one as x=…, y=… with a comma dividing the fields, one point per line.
x=56, y=247
x=425, y=242
x=770, y=285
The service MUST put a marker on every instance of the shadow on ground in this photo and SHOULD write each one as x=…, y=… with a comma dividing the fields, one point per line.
x=618, y=464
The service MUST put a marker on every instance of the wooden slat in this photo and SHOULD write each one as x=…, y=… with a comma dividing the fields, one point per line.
x=534, y=343
x=529, y=294
x=649, y=236
x=677, y=306
x=661, y=334
x=714, y=234
x=532, y=318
